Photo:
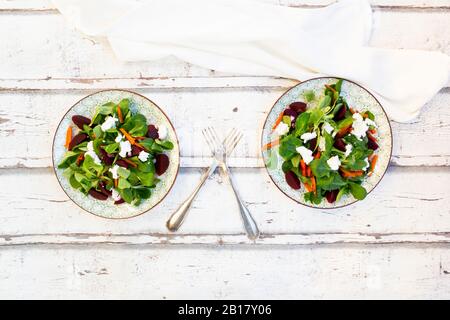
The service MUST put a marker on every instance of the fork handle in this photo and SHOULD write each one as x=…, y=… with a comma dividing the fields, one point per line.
x=177, y=218
x=250, y=225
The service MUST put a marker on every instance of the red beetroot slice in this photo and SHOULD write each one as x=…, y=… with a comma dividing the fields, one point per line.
x=331, y=195
x=103, y=189
x=152, y=132
x=97, y=195
x=339, y=144
x=341, y=113
x=135, y=150
x=292, y=180
x=298, y=107
x=162, y=163
x=120, y=201
x=79, y=138
x=106, y=158
x=372, y=144
x=80, y=121
x=313, y=144
x=290, y=113
x=122, y=163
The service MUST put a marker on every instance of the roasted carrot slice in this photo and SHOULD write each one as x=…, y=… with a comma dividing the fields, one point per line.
x=80, y=159
x=313, y=185
x=308, y=172
x=308, y=187
x=344, y=131
x=303, y=167
x=128, y=136
x=271, y=145
x=68, y=137
x=317, y=156
x=278, y=121
x=119, y=113
x=131, y=163
x=351, y=174
x=373, y=131
x=116, y=183
x=373, y=162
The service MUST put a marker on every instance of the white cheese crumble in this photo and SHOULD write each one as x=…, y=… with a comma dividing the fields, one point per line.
x=143, y=156
x=115, y=195
x=370, y=123
x=119, y=137
x=327, y=127
x=306, y=154
x=308, y=136
x=360, y=127
x=162, y=132
x=91, y=153
x=367, y=164
x=125, y=148
x=281, y=129
x=348, y=149
x=113, y=170
x=334, y=163
x=322, y=144
x=110, y=123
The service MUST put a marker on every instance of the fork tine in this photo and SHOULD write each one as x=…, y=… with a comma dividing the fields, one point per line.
x=234, y=143
x=215, y=137
x=230, y=136
x=208, y=139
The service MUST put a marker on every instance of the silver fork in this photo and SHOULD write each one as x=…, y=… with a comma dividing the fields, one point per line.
x=177, y=218
x=220, y=152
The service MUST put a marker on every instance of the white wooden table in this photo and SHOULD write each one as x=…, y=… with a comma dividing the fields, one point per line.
x=396, y=244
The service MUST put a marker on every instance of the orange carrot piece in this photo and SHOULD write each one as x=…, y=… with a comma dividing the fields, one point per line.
x=303, y=166
x=373, y=131
x=128, y=136
x=278, y=121
x=79, y=159
x=68, y=137
x=351, y=174
x=308, y=187
x=313, y=185
x=373, y=163
x=140, y=138
x=116, y=183
x=271, y=145
x=344, y=131
x=131, y=163
x=353, y=111
x=317, y=156
x=308, y=172
x=119, y=113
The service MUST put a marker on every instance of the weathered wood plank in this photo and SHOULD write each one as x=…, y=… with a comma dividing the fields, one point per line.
x=400, y=209
x=29, y=119
x=39, y=5
x=369, y=272
x=224, y=239
x=44, y=46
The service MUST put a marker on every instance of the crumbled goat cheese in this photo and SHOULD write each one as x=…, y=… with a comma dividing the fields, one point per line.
x=370, y=123
x=125, y=148
x=91, y=153
x=119, y=137
x=143, y=156
x=306, y=154
x=110, y=123
x=162, y=132
x=327, y=127
x=308, y=136
x=348, y=149
x=360, y=127
x=322, y=144
x=367, y=164
x=115, y=195
x=282, y=129
x=113, y=170
x=334, y=163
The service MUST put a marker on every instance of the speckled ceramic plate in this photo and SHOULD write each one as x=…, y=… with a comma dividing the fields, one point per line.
x=154, y=115
x=359, y=99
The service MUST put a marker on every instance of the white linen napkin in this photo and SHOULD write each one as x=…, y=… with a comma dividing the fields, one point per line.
x=257, y=38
